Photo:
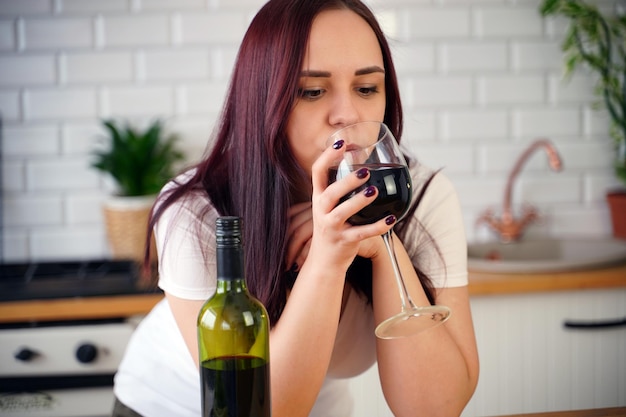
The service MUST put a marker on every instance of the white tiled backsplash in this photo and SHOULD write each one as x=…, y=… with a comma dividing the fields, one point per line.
x=480, y=80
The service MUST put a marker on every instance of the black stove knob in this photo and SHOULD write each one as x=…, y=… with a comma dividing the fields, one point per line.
x=86, y=353
x=25, y=354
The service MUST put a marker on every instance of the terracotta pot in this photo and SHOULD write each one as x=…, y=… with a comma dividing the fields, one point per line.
x=617, y=205
x=126, y=220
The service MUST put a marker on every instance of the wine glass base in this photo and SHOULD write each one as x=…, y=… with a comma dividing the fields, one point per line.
x=412, y=321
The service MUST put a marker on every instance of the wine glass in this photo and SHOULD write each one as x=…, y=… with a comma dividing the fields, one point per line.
x=372, y=145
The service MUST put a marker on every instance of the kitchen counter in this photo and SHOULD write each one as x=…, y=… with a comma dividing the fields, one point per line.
x=80, y=308
x=479, y=284
x=598, y=412
x=487, y=283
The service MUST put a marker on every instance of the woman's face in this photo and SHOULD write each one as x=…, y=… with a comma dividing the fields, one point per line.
x=342, y=82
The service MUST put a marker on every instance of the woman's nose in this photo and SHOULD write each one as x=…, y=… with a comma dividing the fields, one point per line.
x=343, y=111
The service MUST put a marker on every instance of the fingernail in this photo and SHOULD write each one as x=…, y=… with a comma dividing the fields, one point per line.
x=390, y=220
x=362, y=173
x=338, y=144
x=369, y=191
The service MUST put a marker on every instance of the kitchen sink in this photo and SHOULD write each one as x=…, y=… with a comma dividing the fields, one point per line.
x=546, y=255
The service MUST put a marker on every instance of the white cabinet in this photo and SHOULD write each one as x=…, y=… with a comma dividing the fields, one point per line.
x=529, y=361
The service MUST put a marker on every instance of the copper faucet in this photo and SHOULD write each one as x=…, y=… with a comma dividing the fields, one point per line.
x=507, y=227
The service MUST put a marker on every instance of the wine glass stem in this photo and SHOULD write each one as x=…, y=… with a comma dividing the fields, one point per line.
x=404, y=293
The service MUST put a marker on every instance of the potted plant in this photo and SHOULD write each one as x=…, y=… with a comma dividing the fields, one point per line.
x=140, y=162
x=597, y=41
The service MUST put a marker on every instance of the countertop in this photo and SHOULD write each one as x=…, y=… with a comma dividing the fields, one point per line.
x=484, y=283
x=598, y=412
x=79, y=308
x=480, y=284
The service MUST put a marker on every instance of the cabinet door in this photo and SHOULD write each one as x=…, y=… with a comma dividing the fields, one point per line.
x=531, y=362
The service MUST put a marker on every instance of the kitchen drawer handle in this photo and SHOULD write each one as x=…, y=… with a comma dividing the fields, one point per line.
x=603, y=324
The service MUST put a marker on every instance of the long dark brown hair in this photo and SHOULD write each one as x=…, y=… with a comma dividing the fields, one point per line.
x=250, y=170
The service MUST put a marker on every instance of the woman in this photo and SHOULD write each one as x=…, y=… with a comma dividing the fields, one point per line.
x=305, y=69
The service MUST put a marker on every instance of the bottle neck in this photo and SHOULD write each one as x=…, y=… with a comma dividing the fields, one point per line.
x=230, y=265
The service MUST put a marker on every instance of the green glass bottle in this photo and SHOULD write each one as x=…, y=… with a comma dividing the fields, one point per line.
x=233, y=337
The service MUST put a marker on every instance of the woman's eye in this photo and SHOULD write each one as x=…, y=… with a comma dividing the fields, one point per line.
x=367, y=91
x=310, y=93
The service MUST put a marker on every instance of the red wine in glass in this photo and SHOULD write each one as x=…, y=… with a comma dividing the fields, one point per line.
x=394, y=192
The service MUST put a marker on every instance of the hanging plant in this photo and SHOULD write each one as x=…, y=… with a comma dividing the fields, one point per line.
x=598, y=41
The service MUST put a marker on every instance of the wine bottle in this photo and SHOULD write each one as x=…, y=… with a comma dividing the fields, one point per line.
x=233, y=336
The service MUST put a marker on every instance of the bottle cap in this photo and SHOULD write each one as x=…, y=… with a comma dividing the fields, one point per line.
x=228, y=231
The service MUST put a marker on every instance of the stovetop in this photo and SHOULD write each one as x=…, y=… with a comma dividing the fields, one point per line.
x=67, y=279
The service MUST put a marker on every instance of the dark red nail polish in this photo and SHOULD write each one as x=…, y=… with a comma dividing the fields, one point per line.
x=369, y=191
x=338, y=144
x=362, y=173
x=390, y=220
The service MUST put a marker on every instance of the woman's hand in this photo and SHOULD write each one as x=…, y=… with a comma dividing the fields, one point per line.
x=323, y=222
x=300, y=232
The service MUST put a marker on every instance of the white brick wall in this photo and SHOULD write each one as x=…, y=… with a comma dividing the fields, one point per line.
x=480, y=79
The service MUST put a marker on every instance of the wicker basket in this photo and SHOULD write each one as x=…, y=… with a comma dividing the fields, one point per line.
x=126, y=220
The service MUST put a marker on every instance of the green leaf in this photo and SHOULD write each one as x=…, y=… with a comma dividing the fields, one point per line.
x=549, y=7
x=141, y=162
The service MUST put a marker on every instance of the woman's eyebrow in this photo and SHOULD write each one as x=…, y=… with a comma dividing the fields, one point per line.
x=326, y=74
x=314, y=73
x=369, y=70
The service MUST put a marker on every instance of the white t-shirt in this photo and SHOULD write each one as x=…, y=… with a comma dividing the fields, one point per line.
x=157, y=376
